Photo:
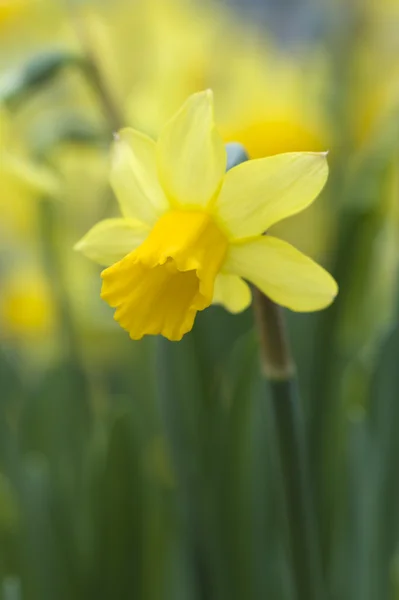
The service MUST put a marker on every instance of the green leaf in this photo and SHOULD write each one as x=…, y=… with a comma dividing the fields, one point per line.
x=44, y=567
x=235, y=493
x=68, y=128
x=189, y=409
x=374, y=486
x=39, y=71
x=118, y=505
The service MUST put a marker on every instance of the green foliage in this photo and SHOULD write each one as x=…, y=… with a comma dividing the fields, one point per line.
x=39, y=71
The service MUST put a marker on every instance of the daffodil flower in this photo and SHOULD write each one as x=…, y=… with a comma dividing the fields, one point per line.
x=8, y=8
x=191, y=234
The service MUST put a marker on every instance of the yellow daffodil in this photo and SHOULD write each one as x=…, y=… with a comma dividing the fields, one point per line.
x=9, y=8
x=191, y=233
x=26, y=305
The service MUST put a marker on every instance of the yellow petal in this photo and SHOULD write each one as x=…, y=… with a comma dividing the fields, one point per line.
x=112, y=239
x=191, y=153
x=134, y=177
x=283, y=273
x=232, y=292
x=258, y=193
x=160, y=287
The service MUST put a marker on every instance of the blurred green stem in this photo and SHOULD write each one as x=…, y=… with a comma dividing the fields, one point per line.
x=95, y=78
x=278, y=369
x=93, y=72
x=53, y=268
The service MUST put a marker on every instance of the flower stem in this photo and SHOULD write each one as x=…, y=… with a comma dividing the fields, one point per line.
x=278, y=369
x=277, y=362
x=95, y=78
x=93, y=72
x=52, y=267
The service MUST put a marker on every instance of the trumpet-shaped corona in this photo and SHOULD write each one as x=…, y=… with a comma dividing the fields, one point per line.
x=160, y=286
x=192, y=234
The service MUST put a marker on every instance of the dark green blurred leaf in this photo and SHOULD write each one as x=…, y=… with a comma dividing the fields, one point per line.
x=67, y=129
x=39, y=71
x=236, y=491
x=189, y=408
x=118, y=505
x=44, y=573
x=350, y=332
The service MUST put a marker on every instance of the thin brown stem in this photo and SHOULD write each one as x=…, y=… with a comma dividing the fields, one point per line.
x=276, y=359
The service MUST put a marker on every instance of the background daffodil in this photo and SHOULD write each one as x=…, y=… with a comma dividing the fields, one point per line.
x=8, y=8
x=191, y=234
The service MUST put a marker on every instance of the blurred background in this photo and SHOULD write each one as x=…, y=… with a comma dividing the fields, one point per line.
x=144, y=470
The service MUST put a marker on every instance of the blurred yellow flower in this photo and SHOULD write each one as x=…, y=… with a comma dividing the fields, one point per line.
x=26, y=306
x=271, y=101
x=191, y=233
x=181, y=40
x=9, y=8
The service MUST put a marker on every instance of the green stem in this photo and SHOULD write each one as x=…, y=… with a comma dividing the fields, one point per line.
x=94, y=76
x=92, y=71
x=53, y=268
x=73, y=398
x=278, y=368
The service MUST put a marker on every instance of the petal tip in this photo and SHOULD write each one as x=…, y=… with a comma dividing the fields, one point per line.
x=323, y=154
x=332, y=295
x=204, y=95
x=335, y=290
x=79, y=245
